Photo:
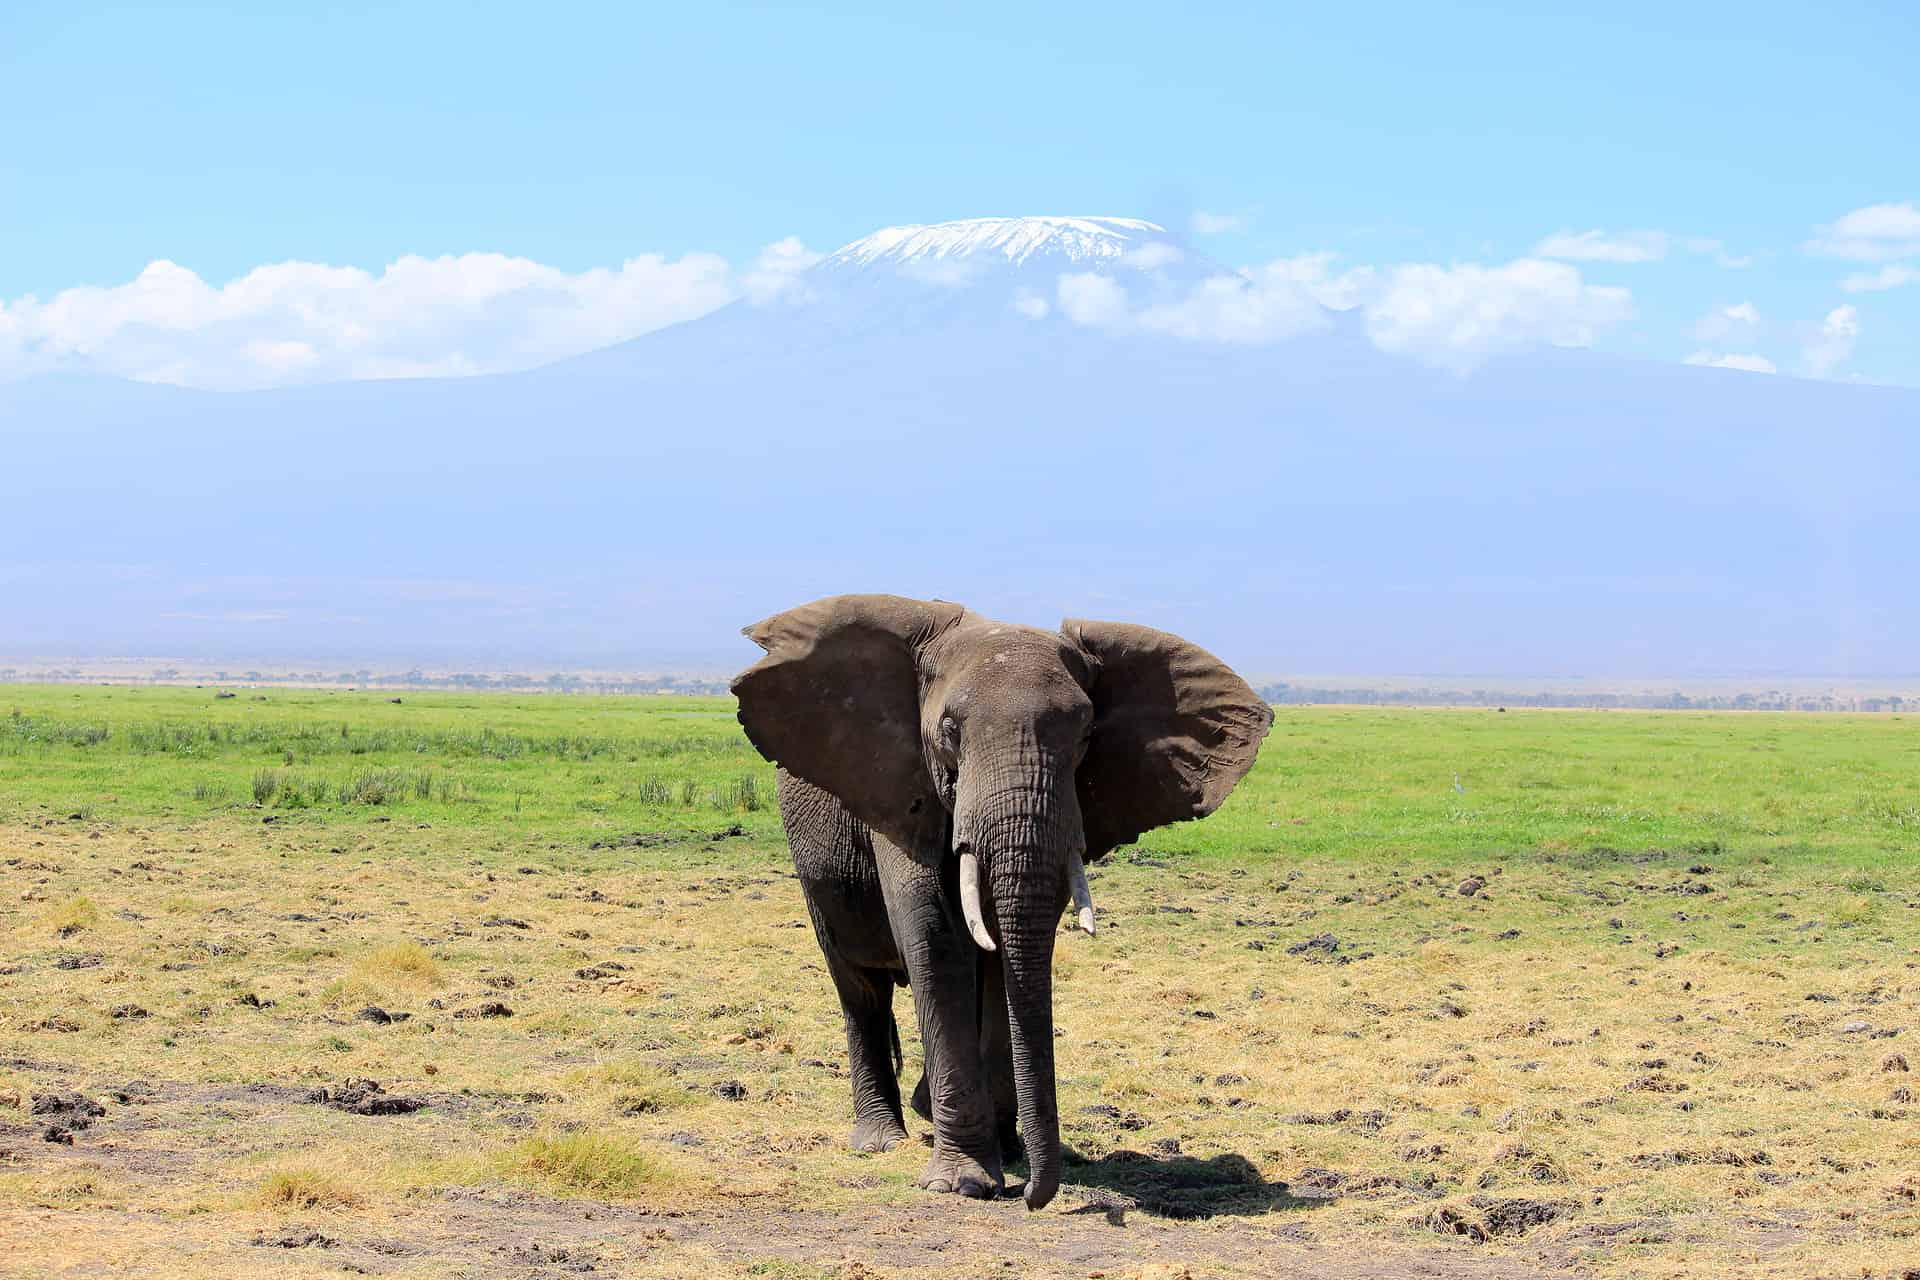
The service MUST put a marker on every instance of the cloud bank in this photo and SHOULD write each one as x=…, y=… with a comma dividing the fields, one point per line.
x=309, y=322
x=296, y=322
x=1454, y=316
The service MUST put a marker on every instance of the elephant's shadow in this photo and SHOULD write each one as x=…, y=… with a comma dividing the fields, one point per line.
x=1178, y=1186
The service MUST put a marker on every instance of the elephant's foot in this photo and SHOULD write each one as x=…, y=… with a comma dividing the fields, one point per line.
x=960, y=1174
x=878, y=1133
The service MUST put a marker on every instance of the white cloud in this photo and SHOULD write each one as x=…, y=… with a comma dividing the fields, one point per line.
x=1875, y=233
x=1250, y=308
x=1092, y=299
x=1741, y=317
x=1714, y=249
x=1456, y=316
x=1312, y=274
x=1749, y=363
x=1453, y=317
x=775, y=274
x=1031, y=305
x=1214, y=224
x=1833, y=346
x=301, y=321
x=1633, y=247
x=1153, y=255
x=1888, y=277
x=1236, y=309
x=1599, y=246
x=281, y=357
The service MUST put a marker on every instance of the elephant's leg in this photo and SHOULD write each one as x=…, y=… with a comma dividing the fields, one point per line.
x=996, y=1063
x=996, y=1059
x=866, y=998
x=833, y=855
x=940, y=960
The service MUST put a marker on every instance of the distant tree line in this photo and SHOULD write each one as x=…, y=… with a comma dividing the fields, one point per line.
x=1769, y=700
x=414, y=678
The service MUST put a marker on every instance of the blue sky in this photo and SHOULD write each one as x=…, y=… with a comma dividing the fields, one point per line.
x=1710, y=142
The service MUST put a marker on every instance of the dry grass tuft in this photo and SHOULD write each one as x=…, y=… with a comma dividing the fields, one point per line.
x=584, y=1163
x=306, y=1189
x=405, y=961
x=67, y=1188
x=632, y=1088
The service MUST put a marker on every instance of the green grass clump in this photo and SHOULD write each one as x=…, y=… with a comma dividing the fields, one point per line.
x=583, y=1163
x=75, y=915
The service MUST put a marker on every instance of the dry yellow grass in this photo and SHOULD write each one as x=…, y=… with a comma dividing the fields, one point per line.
x=402, y=962
x=301, y=1188
x=1683, y=1096
x=65, y=1188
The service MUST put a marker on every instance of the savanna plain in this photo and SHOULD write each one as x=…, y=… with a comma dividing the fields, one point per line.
x=321, y=983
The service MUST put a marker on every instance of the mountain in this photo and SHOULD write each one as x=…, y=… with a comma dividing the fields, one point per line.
x=1009, y=412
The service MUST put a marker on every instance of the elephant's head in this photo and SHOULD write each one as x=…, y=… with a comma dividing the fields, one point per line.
x=1029, y=749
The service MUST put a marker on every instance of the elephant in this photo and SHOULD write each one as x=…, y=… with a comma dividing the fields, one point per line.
x=943, y=780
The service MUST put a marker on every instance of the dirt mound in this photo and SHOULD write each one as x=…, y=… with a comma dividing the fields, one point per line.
x=365, y=1098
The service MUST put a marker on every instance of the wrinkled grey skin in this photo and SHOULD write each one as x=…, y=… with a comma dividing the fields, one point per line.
x=909, y=732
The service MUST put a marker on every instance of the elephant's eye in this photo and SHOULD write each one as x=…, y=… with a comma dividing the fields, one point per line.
x=949, y=731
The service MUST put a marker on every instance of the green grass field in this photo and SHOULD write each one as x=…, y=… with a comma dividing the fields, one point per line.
x=1331, y=782
x=1666, y=1036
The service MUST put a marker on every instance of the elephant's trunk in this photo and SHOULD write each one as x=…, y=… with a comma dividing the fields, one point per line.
x=1022, y=820
x=1027, y=899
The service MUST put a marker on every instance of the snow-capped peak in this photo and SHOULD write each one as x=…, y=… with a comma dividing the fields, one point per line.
x=1014, y=240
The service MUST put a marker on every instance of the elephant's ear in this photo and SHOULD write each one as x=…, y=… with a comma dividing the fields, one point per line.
x=836, y=702
x=1174, y=729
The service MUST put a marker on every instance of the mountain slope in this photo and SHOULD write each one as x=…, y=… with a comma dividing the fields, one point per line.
x=907, y=417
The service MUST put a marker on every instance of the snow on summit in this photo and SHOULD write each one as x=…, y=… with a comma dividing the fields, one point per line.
x=1014, y=240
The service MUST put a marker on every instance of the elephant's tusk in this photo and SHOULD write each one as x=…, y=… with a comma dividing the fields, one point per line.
x=1082, y=895
x=970, y=900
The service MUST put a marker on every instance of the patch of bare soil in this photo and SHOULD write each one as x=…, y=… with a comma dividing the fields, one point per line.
x=492, y=1233
x=1118, y=1214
